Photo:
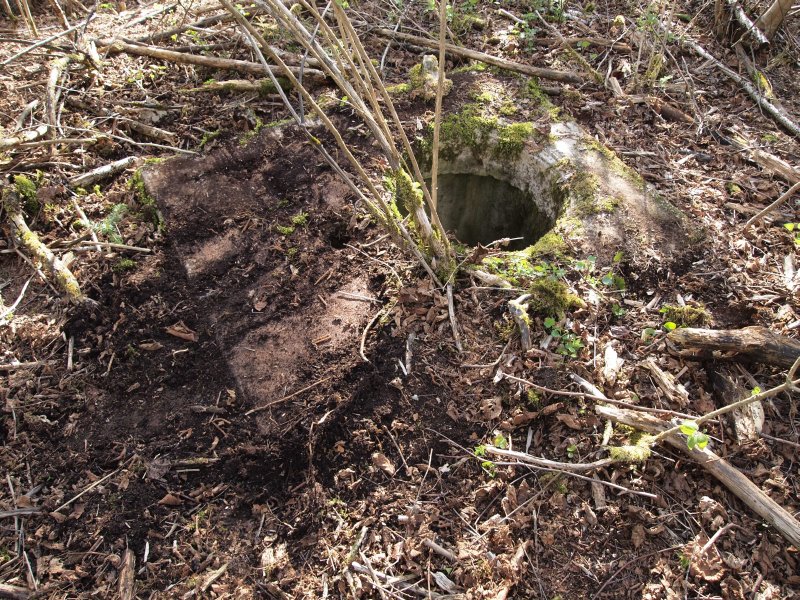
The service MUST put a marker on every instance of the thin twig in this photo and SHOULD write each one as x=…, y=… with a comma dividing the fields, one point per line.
x=363, y=343
x=452, y=312
x=88, y=489
x=11, y=308
x=289, y=397
x=547, y=390
x=783, y=198
x=39, y=44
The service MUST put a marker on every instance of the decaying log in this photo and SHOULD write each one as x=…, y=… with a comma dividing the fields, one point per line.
x=63, y=277
x=758, y=344
x=748, y=420
x=563, y=76
x=666, y=381
x=212, y=62
x=744, y=489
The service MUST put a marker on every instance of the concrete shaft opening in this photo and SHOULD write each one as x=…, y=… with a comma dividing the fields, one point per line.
x=481, y=209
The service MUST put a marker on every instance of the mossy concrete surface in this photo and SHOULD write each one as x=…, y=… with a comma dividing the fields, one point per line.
x=584, y=191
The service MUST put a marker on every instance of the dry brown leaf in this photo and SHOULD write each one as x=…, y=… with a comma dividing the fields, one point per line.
x=490, y=408
x=709, y=565
x=150, y=346
x=638, y=535
x=379, y=460
x=170, y=500
x=570, y=421
x=180, y=330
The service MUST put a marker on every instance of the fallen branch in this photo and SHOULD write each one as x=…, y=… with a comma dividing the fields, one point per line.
x=102, y=172
x=452, y=313
x=13, y=592
x=755, y=343
x=768, y=107
x=750, y=29
x=563, y=76
x=519, y=312
x=22, y=138
x=212, y=62
x=64, y=278
x=549, y=464
x=43, y=42
x=201, y=24
x=744, y=489
x=783, y=198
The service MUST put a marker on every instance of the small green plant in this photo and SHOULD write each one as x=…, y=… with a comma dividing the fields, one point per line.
x=617, y=310
x=572, y=450
x=534, y=398
x=586, y=265
x=613, y=280
x=300, y=219
x=648, y=333
x=285, y=229
x=547, y=269
x=694, y=437
x=794, y=229
x=108, y=227
x=500, y=441
x=569, y=344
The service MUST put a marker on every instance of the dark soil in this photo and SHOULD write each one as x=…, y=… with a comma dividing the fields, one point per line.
x=211, y=419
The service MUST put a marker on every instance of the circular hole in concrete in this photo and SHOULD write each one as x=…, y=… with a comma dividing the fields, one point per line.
x=483, y=209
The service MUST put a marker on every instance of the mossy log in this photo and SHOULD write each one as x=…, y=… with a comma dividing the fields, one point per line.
x=63, y=277
x=758, y=344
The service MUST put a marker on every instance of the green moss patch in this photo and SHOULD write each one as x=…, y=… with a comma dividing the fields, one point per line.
x=550, y=244
x=686, y=316
x=550, y=296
